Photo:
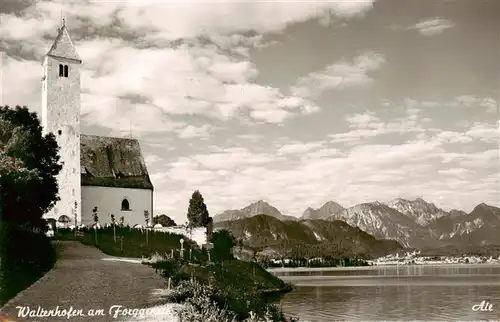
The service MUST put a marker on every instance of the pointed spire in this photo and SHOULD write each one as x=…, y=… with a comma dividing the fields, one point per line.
x=63, y=46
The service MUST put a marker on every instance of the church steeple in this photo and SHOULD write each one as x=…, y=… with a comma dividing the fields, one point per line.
x=63, y=46
x=61, y=102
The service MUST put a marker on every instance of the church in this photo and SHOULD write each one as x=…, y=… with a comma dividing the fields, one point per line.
x=104, y=172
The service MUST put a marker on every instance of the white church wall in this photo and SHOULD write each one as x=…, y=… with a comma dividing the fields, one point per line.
x=198, y=235
x=109, y=201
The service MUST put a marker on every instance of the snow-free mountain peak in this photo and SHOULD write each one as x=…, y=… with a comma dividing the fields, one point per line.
x=419, y=210
x=259, y=207
x=329, y=208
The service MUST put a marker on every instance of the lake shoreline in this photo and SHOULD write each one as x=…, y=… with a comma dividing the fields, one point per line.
x=372, y=267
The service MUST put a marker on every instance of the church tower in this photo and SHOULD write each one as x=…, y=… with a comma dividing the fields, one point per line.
x=61, y=116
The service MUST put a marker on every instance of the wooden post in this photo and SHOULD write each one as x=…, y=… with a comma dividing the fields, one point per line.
x=182, y=248
x=172, y=253
x=169, y=282
x=76, y=222
x=121, y=243
x=190, y=252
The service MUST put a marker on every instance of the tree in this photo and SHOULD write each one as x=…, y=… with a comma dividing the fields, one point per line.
x=113, y=222
x=210, y=230
x=29, y=164
x=164, y=220
x=146, y=218
x=223, y=244
x=96, y=221
x=197, y=212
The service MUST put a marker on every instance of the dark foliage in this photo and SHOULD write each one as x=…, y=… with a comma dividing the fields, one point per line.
x=197, y=215
x=163, y=220
x=25, y=255
x=223, y=242
x=29, y=163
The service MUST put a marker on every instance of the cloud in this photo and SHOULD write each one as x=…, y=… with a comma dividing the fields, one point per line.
x=189, y=58
x=192, y=132
x=183, y=77
x=457, y=172
x=299, y=147
x=150, y=159
x=293, y=174
x=432, y=26
x=471, y=101
x=485, y=132
x=233, y=177
x=339, y=75
x=367, y=125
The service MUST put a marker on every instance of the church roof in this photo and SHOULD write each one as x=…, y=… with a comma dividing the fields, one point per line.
x=113, y=162
x=63, y=46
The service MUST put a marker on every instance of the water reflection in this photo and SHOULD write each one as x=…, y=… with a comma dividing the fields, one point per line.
x=394, y=293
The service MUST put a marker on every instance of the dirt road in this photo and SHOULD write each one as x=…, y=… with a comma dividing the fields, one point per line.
x=85, y=281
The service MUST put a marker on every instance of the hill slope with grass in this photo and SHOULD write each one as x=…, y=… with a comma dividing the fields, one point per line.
x=307, y=237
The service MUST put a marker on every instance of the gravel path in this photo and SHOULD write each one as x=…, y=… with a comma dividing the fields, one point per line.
x=85, y=279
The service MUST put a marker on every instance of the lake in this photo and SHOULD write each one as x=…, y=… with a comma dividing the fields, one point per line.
x=418, y=292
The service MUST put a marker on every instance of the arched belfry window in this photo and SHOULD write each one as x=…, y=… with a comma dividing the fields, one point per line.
x=125, y=204
x=63, y=70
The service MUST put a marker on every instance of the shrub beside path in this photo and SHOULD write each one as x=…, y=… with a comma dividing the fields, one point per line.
x=84, y=278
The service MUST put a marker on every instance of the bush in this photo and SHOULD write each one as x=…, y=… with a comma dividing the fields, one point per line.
x=25, y=255
x=205, y=303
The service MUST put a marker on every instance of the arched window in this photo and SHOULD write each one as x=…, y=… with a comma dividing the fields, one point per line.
x=63, y=219
x=61, y=70
x=125, y=205
x=66, y=70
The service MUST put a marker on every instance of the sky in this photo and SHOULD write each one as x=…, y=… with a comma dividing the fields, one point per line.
x=295, y=103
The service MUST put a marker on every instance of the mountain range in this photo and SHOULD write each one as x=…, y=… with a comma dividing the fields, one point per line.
x=306, y=238
x=412, y=223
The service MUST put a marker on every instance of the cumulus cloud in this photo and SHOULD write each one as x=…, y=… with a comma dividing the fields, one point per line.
x=201, y=132
x=181, y=77
x=127, y=48
x=432, y=26
x=489, y=104
x=339, y=75
x=299, y=147
x=367, y=125
x=237, y=176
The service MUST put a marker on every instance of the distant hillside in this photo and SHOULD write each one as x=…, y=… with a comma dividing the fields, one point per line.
x=328, y=209
x=307, y=237
x=256, y=208
x=479, y=228
x=384, y=222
